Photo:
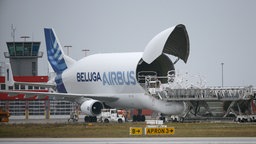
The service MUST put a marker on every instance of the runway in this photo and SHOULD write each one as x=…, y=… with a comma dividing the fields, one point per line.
x=225, y=140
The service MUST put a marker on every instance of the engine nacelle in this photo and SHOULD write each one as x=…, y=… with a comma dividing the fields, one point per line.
x=92, y=107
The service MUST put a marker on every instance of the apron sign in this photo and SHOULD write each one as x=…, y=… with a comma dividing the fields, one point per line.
x=160, y=131
x=136, y=131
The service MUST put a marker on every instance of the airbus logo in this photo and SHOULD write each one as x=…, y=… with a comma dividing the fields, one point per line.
x=108, y=78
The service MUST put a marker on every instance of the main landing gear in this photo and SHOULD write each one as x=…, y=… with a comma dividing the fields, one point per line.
x=90, y=119
x=139, y=117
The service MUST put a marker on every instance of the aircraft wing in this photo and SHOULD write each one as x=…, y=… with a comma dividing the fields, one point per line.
x=64, y=96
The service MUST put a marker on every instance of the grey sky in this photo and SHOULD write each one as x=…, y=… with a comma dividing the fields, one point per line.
x=219, y=30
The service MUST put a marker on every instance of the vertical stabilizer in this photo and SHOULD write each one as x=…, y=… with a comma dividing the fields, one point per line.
x=56, y=57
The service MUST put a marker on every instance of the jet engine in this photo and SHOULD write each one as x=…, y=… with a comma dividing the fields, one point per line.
x=92, y=107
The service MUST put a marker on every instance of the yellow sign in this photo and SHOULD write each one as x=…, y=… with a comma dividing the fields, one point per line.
x=158, y=131
x=135, y=131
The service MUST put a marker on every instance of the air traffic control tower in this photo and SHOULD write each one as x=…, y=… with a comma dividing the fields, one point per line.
x=24, y=57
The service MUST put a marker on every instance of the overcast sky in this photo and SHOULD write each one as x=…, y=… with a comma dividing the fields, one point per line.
x=219, y=30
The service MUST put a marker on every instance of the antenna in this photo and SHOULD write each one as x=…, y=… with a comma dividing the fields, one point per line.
x=13, y=33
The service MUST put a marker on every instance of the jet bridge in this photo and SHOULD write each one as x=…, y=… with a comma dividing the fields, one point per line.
x=198, y=97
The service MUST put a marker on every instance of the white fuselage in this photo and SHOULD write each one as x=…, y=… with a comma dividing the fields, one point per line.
x=118, y=75
x=115, y=74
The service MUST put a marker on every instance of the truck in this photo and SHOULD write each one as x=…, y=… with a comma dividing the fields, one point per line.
x=111, y=115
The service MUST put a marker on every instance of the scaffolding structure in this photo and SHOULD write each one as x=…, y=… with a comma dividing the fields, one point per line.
x=197, y=96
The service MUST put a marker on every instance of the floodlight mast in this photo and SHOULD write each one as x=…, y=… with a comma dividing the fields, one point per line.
x=85, y=51
x=222, y=79
x=67, y=46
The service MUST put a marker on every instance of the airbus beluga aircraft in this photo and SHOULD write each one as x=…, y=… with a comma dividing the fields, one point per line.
x=117, y=80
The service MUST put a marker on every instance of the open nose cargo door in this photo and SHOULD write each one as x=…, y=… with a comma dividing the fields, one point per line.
x=173, y=41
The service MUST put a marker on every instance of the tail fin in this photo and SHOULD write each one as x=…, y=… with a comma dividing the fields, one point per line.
x=8, y=75
x=56, y=57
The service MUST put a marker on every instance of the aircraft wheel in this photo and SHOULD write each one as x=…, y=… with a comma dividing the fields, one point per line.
x=162, y=118
x=139, y=118
x=134, y=118
x=106, y=121
x=143, y=118
x=94, y=119
x=86, y=119
x=120, y=121
x=182, y=120
x=90, y=119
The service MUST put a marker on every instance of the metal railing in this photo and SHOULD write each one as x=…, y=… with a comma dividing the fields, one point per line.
x=209, y=94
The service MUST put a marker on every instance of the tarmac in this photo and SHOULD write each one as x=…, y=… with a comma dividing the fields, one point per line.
x=41, y=120
x=187, y=140
x=145, y=140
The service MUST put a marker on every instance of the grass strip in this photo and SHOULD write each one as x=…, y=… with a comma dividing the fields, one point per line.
x=79, y=130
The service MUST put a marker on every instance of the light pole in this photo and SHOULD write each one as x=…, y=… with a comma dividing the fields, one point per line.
x=25, y=37
x=85, y=51
x=222, y=65
x=67, y=46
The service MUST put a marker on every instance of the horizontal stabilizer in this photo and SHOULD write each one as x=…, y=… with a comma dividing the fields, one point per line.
x=8, y=75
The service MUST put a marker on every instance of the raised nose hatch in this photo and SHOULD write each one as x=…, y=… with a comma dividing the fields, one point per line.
x=173, y=41
x=155, y=62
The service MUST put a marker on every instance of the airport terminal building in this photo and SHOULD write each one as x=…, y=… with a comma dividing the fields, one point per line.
x=23, y=57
